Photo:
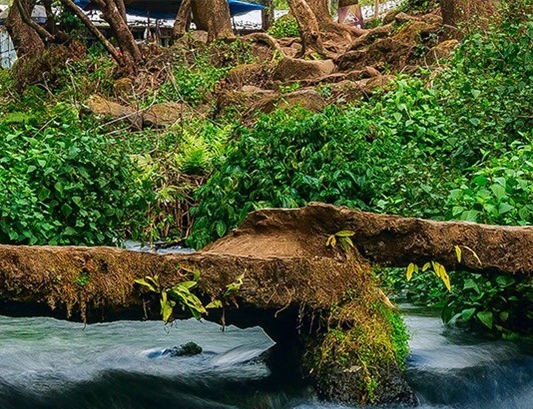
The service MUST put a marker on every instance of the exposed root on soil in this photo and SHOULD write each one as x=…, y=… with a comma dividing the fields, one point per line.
x=267, y=39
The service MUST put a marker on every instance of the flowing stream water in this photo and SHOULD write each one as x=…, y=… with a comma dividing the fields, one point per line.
x=47, y=363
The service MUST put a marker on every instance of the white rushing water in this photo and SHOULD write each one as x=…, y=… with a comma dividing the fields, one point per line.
x=51, y=364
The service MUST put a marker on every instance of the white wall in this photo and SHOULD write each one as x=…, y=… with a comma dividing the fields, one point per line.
x=7, y=51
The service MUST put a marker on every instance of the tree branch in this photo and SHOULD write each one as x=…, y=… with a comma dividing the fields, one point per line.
x=45, y=35
x=110, y=48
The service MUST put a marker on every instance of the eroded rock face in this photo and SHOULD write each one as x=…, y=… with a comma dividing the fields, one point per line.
x=297, y=69
x=246, y=74
x=385, y=51
x=250, y=100
x=158, y=115
x=307, y=99
x=441, y=51
x=168, y=113
x=102, y=107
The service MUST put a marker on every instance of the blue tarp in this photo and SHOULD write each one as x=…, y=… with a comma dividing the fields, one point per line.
x=167, y=9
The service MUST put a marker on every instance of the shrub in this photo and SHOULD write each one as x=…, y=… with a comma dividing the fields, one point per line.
x=65, y=185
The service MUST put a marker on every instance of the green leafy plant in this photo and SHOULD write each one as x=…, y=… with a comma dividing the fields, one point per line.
x=179, y=294
x=342, y=238
x=438, y=269
x=83, y=279
x=285, y=26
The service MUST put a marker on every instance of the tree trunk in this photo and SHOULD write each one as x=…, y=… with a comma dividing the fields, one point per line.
x=131, y=55
x=391, y=240
x=464, y=16
x=26, y=40
x=110, y=48
x=122, y=9
x=50, y=17
x=183, y=20
x=308, y=27
x=326, y=23
x=214, y=17
x=267, y=14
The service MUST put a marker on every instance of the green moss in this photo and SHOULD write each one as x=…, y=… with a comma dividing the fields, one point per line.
x=399, y=337
x=364, y=339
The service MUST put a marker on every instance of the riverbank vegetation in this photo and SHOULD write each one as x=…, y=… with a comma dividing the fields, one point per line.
x=445, y=139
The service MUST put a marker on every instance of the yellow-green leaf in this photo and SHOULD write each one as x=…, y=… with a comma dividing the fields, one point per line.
x=166, y=311
x=345, y=243
x=446, y=280
x=410, y=270
x=146, y=284
x=473, y=254
x=214, y=304
x=166, y=307
x=234, y=286
x=345, y=233
x=458, y=253
x=426, y=266
x=188, y=284
x=332, y=241
x=440, y=271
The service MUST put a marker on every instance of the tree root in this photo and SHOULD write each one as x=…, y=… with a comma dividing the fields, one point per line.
x=267, y=39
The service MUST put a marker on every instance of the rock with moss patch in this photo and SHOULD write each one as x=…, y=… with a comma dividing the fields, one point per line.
x=441, y=51
x=164, y=114
x=297, y=69
x=101, y=106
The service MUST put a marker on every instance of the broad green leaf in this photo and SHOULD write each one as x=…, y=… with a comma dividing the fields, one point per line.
x=498, y=190
x=471, y=284
x=220, y=228
x=470, y=215
x=467, y=314
x=188, y=284
x=69, y=231
x=505, y=281
x=504, y=208
x=486, y=318
x=504, y=315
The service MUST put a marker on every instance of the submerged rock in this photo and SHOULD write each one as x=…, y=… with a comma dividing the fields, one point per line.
x=188, y=349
